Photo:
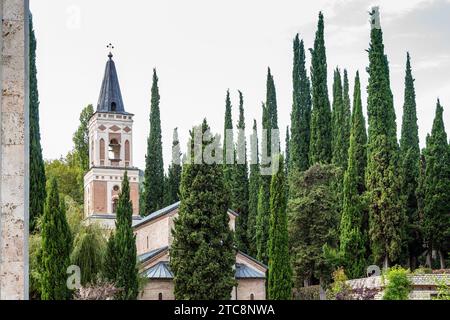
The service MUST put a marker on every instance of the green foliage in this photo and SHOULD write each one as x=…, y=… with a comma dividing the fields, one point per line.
x=352, y=226
x=240, y=183
x=313, y=213
x=280, y=273
x=436, y=187
x=339, y=290
x=174, y=176
x=308, y=293
x=56, y=247
x=409, y=160
x=320, y=150
x=262, y=222
x=443, y=291
x=202, y=254
x=154, y=167
x=386, y=208
x=253, y=194
x=35, y=263
x=125, y=246
x=301, y=110
x=67, y=172
x=81, y=138
x=37, y=171
x=110, y=260
x=229, y=156
x=88, y=252
x=398, y=286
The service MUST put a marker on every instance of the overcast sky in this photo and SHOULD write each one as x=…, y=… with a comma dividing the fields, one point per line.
x=201, y=48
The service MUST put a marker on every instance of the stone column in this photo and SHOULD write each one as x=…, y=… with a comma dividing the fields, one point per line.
x=14, y=149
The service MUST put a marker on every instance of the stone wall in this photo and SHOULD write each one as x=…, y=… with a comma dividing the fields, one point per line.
x=14, y=150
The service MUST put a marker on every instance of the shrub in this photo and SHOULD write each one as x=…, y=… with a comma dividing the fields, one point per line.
x=307, y=293
x=339, y=290
x=398, y=286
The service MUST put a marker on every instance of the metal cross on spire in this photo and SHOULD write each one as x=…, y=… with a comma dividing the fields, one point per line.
x=111, y=48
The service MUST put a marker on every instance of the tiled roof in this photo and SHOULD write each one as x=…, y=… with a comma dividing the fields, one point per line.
x=148, y=255
x=245, y=272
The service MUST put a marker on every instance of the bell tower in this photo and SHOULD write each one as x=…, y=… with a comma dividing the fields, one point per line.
x=110, y=154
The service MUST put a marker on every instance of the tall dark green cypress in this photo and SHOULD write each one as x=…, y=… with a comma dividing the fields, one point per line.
x=240, y=182
x=287, y=152
x=271, y=101
x=301, y=110
x=409, y=157
x=37, y=170
x=125, y=246
x=437, y=188
x=174, y=175
x=386, y=209
x=346, y=116
x=280, y=273
x=154, y=166
x=202, y=254
x=229, y=155
x=336, y=120
x=262, y=219
x=320, y=141
x=352, y=233
x=56, y=247
x=253, y=192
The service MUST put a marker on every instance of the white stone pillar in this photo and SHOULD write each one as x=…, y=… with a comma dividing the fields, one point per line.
x=14, y=149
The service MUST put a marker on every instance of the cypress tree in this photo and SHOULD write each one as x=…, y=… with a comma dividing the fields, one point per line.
x=154, y=167
x=271, y=102
x=346, y=116
x=262, y=219
x=386, y=214
x=174, y=176
x=125, y=246
x=37, y=170
x=253, y=193
x=110, y=260
x=56, y=247
x=280, y=274
x=287, y=151
x=202, y=254
x=320, y=141
x=437, y=188
x=352, y=237
x=240, y=182
x=228, y=140
x=301, y=110
x=409, y=157
x=337, y=118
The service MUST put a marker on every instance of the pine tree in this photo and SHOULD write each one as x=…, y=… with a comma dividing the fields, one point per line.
x=437, y=188
x=352, y=233
x=253, y=193
x=202, y=254
x=37, y=171
x=301, y=111
x=154, y=167
x=174, y=176
x=81, y=138
x=386, y=214
x=125, y=246
x=279, y=282
x=228, y=140
x=240, y=182
x=409, y=157
x=56, y=247
x=320, y=141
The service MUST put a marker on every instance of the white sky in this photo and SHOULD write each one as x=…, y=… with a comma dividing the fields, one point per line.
x=202, y=47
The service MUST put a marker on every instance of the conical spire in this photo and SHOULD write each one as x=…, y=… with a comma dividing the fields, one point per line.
x=110, y=99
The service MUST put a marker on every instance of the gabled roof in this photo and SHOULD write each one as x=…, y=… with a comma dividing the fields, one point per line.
x=166, y=210
x=253, y=259
x=148, y=255
x=110, y=99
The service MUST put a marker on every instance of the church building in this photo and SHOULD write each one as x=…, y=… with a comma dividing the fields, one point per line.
x=110, y=155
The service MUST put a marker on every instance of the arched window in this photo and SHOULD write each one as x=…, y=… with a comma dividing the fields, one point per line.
x=127, y=153
x=102, y=152
x=252, y=296
x=114, y=150
x=160, y=296
x=113, y=106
